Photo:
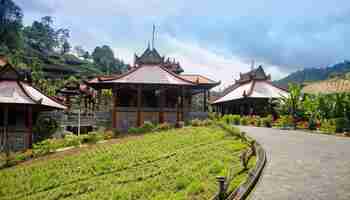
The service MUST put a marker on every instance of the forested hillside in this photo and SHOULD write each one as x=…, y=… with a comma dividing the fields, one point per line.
x=316, y=74
x=45, y=49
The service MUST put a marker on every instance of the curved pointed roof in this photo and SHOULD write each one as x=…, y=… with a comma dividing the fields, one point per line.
x=149, y=74
x=15, y=91
x=253, y=89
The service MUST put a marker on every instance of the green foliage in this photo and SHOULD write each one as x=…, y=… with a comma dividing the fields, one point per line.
x=104, y=58
x=148, y=126
x=244, y=120
x=232, y=119
x=198, y=122
x=10, y=25
x=44, y=128
x=163, y=126
x=284, y=121
x=267, y=121
x=173, y=165
x=328, y=126
x=136, y=130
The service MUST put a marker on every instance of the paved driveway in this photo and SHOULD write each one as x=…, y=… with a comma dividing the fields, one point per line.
x=302, y=165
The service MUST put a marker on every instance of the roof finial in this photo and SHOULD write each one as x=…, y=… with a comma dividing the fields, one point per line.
x=148, y=46
x=154, y=30
x=252, y=66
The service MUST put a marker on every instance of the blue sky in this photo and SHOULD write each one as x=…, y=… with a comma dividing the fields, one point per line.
x=215, y=38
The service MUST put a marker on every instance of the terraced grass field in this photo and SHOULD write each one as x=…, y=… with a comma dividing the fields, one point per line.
x=174, y=164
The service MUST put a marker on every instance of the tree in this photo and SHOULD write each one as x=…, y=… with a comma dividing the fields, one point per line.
x=43, y=37
x=104, y=58
x=86, y=55
x=292, y=103
x=66, y=47
x=10, y=24
x=79, y=50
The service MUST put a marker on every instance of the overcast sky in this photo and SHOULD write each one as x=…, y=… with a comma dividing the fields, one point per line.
x=215, y=38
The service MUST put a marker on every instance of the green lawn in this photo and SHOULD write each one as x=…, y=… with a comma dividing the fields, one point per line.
x=175, y=164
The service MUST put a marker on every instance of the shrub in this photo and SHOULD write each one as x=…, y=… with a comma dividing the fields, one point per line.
x=302, y=125
x=148, y=126
x=267, y=121
x=312, y=125
x=285, y=121
x=328, y=126
x=207, y=122
x=180, y=124
x=341, y=124
x=72, y=140
x=236, y=119
x=93, y=137
x=135, y=130
x=196, y=122
x=42, y=148
x=164, y=126
x=44, y=128
x=214, y=116
x=244, y=121
x=107, y=135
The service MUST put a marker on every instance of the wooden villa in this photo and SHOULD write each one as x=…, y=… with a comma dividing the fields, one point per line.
x=250, y=95
x=153, y=90
x=20, y=104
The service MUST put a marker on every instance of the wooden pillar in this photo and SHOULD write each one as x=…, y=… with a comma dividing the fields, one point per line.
x=205, y=101
x=182, y=103
x=139, y=105
x=6, y=134
x=114, y=109
x=98, y=100
x=29, y=126
x=177, y=108
x=161, y=104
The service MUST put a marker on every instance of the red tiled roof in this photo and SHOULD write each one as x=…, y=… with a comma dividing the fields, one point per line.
x=18, y=92
x=198, y=79
x=147, y=74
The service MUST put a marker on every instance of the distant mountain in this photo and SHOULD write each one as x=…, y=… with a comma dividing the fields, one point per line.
x=315, y=74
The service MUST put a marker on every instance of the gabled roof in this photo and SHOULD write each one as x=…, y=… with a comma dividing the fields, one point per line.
x=150, y=56
x=147, y=74
x=254, y=74
x=199, y=79
x=253, y=89
x=16, y=91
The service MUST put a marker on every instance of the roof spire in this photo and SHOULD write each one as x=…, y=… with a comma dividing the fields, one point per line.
x=154, y=30
x=252, y=66
x=148, y=45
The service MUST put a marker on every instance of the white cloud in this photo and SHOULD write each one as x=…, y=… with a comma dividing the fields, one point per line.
x=198, y=60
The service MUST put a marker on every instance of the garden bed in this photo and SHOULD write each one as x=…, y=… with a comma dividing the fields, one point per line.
x=172, y=164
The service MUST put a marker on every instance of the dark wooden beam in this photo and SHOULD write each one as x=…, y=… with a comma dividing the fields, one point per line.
x=114, y=109
x=29, y=126
x=139, y=105
x=161, y=104
x=205, y=109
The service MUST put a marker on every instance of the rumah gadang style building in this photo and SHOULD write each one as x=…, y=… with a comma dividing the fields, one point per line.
x=251, y=94
x=153, y=90
x=20, y=104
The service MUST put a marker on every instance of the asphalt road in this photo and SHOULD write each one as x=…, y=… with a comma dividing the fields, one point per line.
x=301, y=165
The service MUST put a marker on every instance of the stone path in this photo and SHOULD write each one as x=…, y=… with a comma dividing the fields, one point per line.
x=302, y=165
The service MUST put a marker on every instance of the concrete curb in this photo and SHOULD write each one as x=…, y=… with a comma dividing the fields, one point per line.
x=245, y=188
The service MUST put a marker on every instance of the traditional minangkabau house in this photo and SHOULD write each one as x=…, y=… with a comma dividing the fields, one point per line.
x=152, y=90
x=250, y=95
x=20, y=104
x=78, y=93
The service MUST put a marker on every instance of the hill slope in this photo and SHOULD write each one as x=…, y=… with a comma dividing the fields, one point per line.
x=315, y=74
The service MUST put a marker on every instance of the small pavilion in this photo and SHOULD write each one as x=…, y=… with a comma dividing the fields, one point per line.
x=20, y=104
x=153, y=90
x=250, y=95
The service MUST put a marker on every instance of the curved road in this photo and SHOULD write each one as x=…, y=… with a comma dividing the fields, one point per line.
x=302, y=165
